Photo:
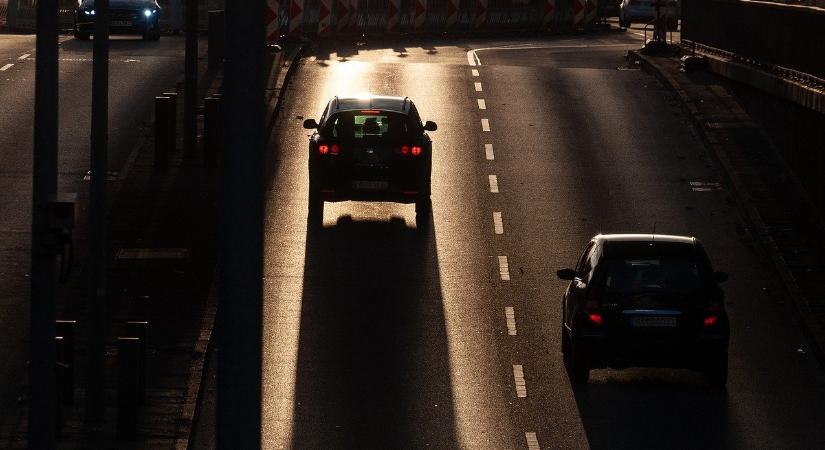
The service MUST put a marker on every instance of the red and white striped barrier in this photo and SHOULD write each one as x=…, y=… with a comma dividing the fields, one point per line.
x=578, y=13
x=549, y=14
x=481, y=13
x=353, y=16
x=342, y=17
x=273, y=19
x=591, y=8
x=452, y=13
x=325, y=18
x=296, y=17
x=420, y=15
x=393, y=16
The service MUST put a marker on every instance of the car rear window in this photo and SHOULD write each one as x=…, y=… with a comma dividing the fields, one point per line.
x=369, y=125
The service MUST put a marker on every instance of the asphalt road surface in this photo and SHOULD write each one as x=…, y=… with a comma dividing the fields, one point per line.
x=138, y=71
x=375, y=338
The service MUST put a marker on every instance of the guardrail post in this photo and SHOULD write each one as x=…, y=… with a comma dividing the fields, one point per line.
x=140, y=330
x=65, y=329
x=212, y=130
x=216, y=38
x=128, y=360
x=163, y=111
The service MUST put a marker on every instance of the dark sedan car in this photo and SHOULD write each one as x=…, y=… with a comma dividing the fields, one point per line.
x=125, y=17
x=370, y=148
x=647, y=301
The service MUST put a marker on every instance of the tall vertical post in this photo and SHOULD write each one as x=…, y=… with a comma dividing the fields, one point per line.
x=241, y=227
x=190, y=90
x=42, y=350
x=11, y=14
x=97, y=214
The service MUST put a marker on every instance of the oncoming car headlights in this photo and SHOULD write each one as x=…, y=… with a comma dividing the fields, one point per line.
x=149, y=12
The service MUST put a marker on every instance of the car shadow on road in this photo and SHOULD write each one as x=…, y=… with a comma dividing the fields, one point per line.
x=116, y=44
x=655, y=412
x=373, y=367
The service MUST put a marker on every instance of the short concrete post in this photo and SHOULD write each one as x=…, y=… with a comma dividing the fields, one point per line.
x=65, y=329
x=212, y=133
x=173, y=122
x=163, y=120
x=140, y=330
x=217, y=37
x=128, y=360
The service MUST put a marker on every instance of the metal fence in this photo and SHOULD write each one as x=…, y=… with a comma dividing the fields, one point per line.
x=765, y=33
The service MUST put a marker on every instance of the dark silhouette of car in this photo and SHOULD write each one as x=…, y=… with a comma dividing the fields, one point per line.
x=644, y=300
x=370, y=148
x=125, y=17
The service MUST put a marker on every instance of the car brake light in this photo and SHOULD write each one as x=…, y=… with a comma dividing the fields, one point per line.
x=335, y=149
x=405, y=150
x=323, y=149
x=370, y=111
x=711, y=316
x=710, y=320
x=416, y=151
x=595, y=318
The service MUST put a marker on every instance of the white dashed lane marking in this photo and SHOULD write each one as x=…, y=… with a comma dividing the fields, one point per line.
x=24, y=56
x=493, y=183
x=482, y=104
x=485, y=125
x=532, y=441
x=510, y=316
x=6, y=67
x=475, y=72
x=503, y=268
x=521, y=385
x=498, y=224
x=488, y=150
x=478, y=86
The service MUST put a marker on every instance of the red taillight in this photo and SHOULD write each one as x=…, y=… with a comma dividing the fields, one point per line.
x=323, y=149
x=416, y=151
x=405, y=150
x=595, y=318
x=710, y=320
x=335, y=149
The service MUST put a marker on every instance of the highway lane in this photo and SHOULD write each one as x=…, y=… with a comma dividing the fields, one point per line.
x=138, y=71
x=375, y=338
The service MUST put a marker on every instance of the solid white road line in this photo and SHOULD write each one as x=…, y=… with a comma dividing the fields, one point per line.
x=24, y=56
x=510, y=316
x=503, y=268
x=475, y=72
x=482, y=104
x=498, y=224
x=478, y=86
x=493, y=184
x=485, y=125
x=521, y=385
x=488, y=149
x=472, y=58
x=6, y=67
x=532, y=441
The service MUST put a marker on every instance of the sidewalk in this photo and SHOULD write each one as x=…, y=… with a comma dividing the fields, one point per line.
x=782, y=219
x=163, y=251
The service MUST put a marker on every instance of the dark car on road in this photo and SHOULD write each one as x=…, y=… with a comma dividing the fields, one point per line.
x=370, y=148
x=644, y=300
x=125, y=17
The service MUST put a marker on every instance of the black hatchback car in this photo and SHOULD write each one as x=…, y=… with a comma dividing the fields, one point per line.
x=125, y=17
x=371, y=148
x=644, y=300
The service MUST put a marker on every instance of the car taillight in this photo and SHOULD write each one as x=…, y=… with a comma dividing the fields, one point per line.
x=411, y=150
x=595, y=318
x=711, y=316
x=416, y=151
x=326, y=149
x=335, y=149
x=323, y=149
x=405, y=150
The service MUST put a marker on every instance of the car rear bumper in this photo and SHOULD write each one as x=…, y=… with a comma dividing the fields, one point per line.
x=647, y=13
x=388, y=184
x=119, y=25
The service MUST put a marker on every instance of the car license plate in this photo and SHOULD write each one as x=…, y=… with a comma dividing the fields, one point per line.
x=653, y=322
x=121, y=23
x=371, y=185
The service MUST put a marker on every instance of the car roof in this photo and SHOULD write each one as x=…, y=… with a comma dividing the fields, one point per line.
x=646, y=238
x=380, y=102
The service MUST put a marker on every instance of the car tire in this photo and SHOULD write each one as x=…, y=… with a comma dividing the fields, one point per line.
x=315, y=210
x=152, y=35
x=717, y=370
x=578, y=370
x=423, y=212
x=80, y=35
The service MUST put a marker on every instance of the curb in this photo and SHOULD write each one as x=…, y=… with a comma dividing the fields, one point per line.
x=804, y=313
x=203, y=345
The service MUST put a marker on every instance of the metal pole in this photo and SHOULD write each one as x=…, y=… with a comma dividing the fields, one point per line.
x=97, y=214
x=11, y=14
x=240, y=326
x=42, y=356
x=190, y=101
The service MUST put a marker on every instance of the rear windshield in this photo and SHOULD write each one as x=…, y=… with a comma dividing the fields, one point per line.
x=381, y=127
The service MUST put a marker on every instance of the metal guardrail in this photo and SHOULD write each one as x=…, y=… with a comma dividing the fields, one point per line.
x=774, y=35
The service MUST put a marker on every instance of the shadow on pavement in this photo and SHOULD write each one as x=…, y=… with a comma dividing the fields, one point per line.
x=373, y=369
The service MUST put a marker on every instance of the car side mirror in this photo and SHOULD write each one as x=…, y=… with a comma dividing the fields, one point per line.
x=430, y=126
x=310, y=124
x=720, y=277
x=566, y=274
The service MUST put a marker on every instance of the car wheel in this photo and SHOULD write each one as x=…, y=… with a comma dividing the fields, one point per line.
x=717, y=370
x=423, y=211
x=315, y=213
x=576, y=364
x=152, y=34
x=81, y=35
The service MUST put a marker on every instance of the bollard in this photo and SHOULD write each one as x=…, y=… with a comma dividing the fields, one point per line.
x=66, y=330
x=61, y=389
x=128, y=359
x=212, y=133
x=217, y=36
x=173, y=121
x=140, y=330
x=163, y=130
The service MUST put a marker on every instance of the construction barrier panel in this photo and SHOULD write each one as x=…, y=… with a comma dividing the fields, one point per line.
x=273, y=19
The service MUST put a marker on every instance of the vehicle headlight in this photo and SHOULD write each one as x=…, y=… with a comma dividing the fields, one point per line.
x=149, y=12
x=89, y=12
